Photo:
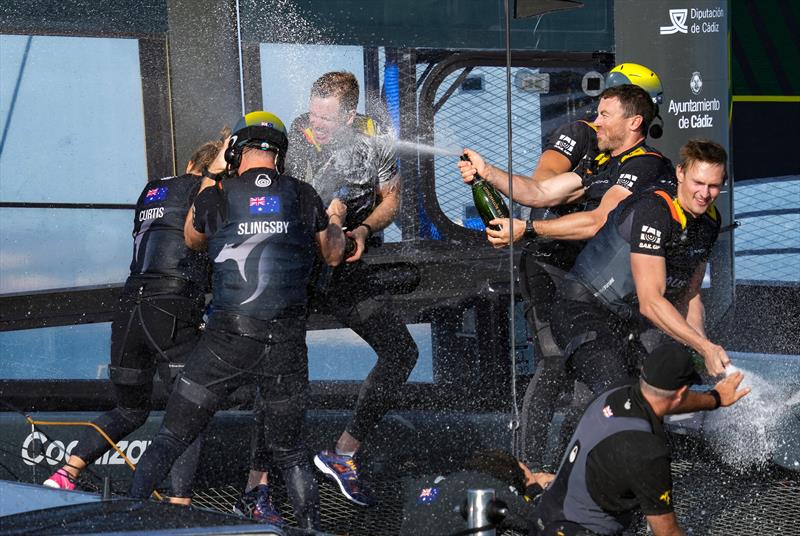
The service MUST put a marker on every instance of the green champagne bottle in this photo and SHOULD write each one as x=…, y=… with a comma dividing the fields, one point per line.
x=488, y=201
x=698, y=362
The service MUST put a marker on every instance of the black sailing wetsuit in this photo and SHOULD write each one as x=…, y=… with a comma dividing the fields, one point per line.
x=261, y=232
x=352, y=168
x=545, y=262
x=597, y=306
x=617, y=463
x=156, y=323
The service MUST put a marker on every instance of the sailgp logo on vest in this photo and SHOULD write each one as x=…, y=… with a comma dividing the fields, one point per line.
x=627, y=180
x=263, y=180
x=565, y=143
x=650, y=238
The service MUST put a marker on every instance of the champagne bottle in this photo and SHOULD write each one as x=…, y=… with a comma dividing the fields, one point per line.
x=698, y=362
x=350, y=247
x=488, y=201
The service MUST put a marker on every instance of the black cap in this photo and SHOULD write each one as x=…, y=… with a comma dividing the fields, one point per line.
x=670, y=367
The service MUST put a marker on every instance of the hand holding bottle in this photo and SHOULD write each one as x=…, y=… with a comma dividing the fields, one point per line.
x=488, y=202
x=498, y=232
x=716, y=358
x=471, y=166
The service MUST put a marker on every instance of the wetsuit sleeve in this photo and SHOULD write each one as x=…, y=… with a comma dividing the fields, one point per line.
x=314, y=213
x=649, y=226
x=631, y=469
x=652, y=484
x=208, y=211
x=642, y=172
x=573, y=140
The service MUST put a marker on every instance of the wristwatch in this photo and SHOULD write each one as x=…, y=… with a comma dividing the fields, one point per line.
x=530, y=232
x=717, y=399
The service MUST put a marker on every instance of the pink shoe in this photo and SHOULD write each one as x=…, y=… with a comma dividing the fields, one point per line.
x=60, y=480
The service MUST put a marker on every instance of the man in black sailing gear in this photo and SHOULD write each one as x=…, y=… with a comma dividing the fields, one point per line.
x=347, y=155
x=157, y=320
x=644, y=268
x=618, y=461
x=262, y=230
x=576, y=174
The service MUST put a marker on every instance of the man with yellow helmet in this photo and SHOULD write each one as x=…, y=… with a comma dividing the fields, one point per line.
x=573, y=175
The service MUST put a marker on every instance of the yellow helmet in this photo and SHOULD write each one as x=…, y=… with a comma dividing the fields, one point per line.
x=639, y=75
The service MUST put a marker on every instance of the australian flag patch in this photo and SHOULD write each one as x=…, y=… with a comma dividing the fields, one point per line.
x=265, y=204
x=427, y=495
x=155, y=194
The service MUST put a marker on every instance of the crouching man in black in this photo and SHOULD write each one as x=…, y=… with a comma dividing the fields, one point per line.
x=618, y=460
x=262, y=230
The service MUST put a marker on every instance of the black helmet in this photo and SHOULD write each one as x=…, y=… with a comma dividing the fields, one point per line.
x=262, y=130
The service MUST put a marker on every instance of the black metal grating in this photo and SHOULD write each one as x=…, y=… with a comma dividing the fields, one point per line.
x=476, y=119
x=709, y=501
x=768, y=241
x=713, y=500
x=339, y=516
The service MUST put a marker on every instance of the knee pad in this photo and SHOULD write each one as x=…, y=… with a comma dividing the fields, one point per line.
x=130, y=376
x=196, y=393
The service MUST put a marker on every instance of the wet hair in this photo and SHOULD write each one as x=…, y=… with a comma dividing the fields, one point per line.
x=498, y=464
x=205, y=154
x=701, y=150
x=634, y=101
x=340, y=84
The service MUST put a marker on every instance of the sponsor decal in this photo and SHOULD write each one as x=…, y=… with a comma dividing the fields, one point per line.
x=627, y=404
x=702, y=21
x=627, y=180
x=151, y=213
x=649, y=238
x=697, y=108
x=607, y=412
x=155, y=194
x=696, y=83
x=604, y=287
x=666, y=497
x=565, y=143
x=37, y=448
x=261, y=227
x=263, y=180
x=265, y=204
x=674, y=282
x=573, y=454
x=678, y=19
x=428, y=495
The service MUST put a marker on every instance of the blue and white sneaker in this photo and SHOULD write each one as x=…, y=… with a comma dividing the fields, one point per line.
x=344, y=471
x=256, y=504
